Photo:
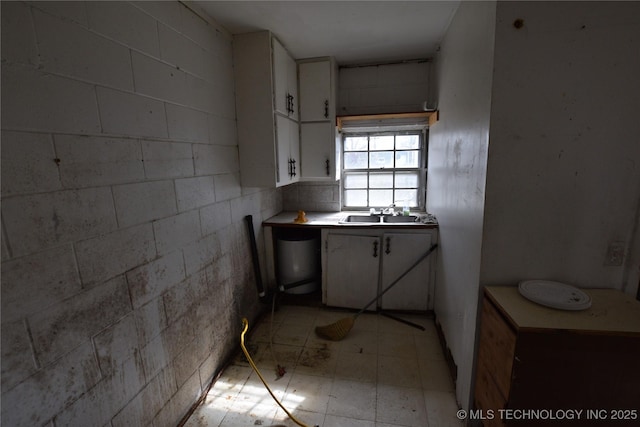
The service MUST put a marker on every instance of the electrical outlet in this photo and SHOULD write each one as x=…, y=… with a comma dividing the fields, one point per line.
x=615, y=254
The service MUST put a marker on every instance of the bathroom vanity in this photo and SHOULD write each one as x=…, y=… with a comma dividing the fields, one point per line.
x=533, y=358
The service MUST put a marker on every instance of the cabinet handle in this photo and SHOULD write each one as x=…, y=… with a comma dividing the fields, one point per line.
x=294, y=167
x=326, y=109
x=290, y=168
x=375, y=249
x=388, y=249
x=327, y=166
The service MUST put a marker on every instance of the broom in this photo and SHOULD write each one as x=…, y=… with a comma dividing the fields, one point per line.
x=338, y=330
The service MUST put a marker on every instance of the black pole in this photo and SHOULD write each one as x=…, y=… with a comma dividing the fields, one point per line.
x=254, y=255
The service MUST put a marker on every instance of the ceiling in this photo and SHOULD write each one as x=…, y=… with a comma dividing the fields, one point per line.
x=354, y=32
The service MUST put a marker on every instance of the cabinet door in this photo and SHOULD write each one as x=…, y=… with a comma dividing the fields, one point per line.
x=352, y=270
x=288, y=148
x=285, y=82
x=292, y=87
x=280, y=78
x=315, y=91
x=400, y=251
x=317, y=150
x=294, y=151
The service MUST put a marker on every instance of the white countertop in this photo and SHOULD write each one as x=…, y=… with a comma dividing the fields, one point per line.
x=332, y=219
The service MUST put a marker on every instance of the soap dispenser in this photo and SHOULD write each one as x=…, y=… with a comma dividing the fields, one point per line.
x=405, y=208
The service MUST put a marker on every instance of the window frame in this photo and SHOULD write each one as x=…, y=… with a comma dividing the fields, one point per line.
x=421, y=131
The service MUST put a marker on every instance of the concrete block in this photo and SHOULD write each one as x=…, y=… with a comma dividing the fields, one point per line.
x=227, y=186
x=167, y=13
x=187, y=124
x=184, y=53
x=125, y=23
x=137, y=203
x=246, y=205
x=197, y=29
x=224, y=100
x=18, y=37
x=167, y=159
x=180, y=403
x=116, y=344
x=45, y=220
x=94, y=161
x=102, y=402
x=185, y=365
x=35, y=100
x=152, y=279
x=201, y=94
x=193, y=193
x=128, y=114
x=179, y=333
x=112, y=254
x=159, y=80
x=68, y=49
x=150, y=320
x=144, y=406
x=155, y=356
x=67, y=10
x=222, y=130
x=201, y=253
x=177, y=231
x=16, y=349
x=41, y=396
x=67, y=325
x=215, y=159
x=215, y=217
x=35, y=282
x=28, y=164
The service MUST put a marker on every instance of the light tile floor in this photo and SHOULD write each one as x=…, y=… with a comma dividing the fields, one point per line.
x=383, y=374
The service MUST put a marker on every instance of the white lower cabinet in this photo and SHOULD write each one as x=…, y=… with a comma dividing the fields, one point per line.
x=359, y=264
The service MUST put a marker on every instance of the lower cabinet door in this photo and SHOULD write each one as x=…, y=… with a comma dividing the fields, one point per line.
x=353, y=263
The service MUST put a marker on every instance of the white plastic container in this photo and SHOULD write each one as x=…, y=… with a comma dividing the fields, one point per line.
x=297, y=261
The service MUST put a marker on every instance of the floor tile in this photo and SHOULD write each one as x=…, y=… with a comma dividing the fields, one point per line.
x=308, y=393
x=435, y=375
x=401, y=406
x=353, y=399
x=357, y=366
x=441, y=409
x=336, y=421
x=384, y=373
x=399, y=371
x=398, y=345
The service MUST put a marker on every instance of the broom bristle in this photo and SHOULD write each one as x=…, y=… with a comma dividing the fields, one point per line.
x=336, y=331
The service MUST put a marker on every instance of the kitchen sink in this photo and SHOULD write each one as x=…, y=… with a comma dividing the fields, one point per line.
x=376, y=219
x=360, y=218
x=409, y=218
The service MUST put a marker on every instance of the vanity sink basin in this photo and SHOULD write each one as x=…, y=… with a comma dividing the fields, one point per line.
x=360, y=218
x=392, y=219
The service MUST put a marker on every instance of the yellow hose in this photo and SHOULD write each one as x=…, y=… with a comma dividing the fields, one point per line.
x=245, y=324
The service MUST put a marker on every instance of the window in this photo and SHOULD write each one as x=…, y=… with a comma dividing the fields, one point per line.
x=383, y=168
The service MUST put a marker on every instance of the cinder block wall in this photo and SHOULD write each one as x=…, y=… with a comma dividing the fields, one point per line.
x=125, y=259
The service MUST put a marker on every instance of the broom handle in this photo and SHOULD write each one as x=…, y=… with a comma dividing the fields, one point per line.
x=384, y=291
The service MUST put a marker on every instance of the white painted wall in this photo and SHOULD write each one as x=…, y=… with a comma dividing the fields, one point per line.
x=564, y=159
x=458, y=146
x=542, y=186
x=125, y=260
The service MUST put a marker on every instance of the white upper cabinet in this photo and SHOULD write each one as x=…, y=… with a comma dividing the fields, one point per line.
x=318, y=93
x=316, y=100
x=266, y=110
x=285, y=80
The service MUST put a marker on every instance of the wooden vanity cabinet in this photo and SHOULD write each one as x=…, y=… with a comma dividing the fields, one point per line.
x=532, y=358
